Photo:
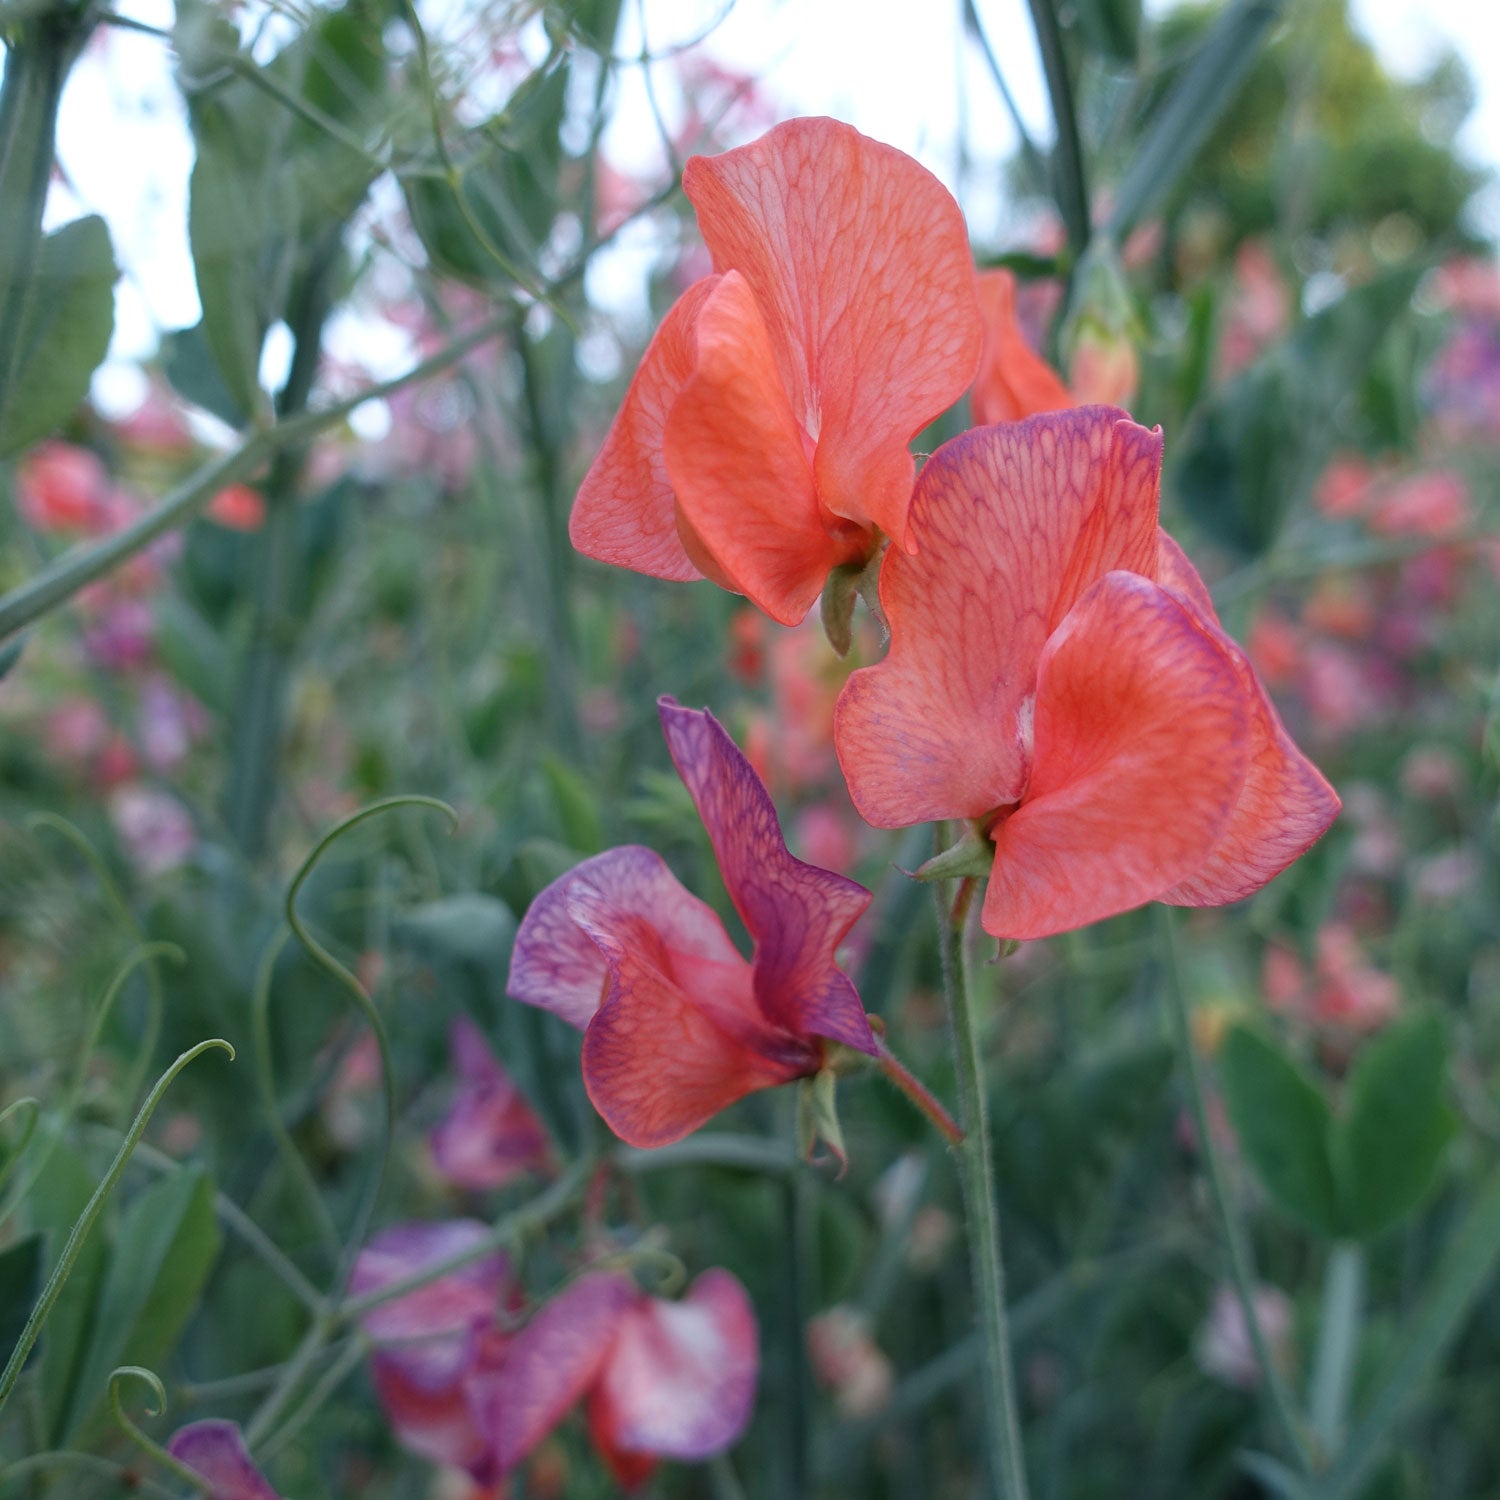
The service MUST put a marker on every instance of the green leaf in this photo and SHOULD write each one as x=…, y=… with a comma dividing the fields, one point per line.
x=1256, y=448
x=1390, y=1140
x=1184, y=120
x=10, y=654
x=190, y=364
x=1112, y=28
x=577, y=810
x=161, y=1255
x=70, y=316
x=468, y=930
x=20, y=1284
x=1283, y=1123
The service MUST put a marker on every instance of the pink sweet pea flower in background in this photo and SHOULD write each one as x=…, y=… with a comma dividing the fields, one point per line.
x=1058, y=676
x=1224, y=1348
x=153, y=827
x=435, y=1345
x=659, y=1379
x=677, y=1024
x=1344, y=997
x=490, y=1135
x=763, y=441
x=61, y=487
x=1434, y=503
x=217, y=1451
x=240, y=507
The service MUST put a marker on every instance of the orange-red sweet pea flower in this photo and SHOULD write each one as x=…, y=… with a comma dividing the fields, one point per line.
x=763, y=441
x=676, y=1024
x=1057, y=675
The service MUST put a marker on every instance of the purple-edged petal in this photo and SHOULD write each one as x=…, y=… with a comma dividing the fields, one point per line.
x=490, y=1135
x=556, y=965
x=680, y=1380
x=429, y=1400
x=796, y=913
x=454, y=1304
x=554, y=1359
x=217, y=1452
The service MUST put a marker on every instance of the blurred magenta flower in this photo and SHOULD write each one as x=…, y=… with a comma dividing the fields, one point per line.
x=490, y=1135
x=217, y=1451
x=764, y=440
x=659, y=1379
x=170, y=722
x=677, y=1024
x=153, y=828
x=435, y=1344
x=1057, y=676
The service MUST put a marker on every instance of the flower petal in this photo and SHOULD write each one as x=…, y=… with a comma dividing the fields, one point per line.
x=451, y=1305
x=431, y=1409
x=556, y=965
x=859, y=259
x=554, y=1359
x=681, y=1377
x=490, y=1134
x=1013, y=381
x=1285, y=807
x=739, y=467
x=217, y=1451
x=658, y=1059
x=625, y=512
x=1141, y=751
x=796, y=913
x=1011, y=524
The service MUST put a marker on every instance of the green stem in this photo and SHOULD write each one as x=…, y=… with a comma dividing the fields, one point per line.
x=91, y=1209
x=1464, y=1273
x=148, y=1445
x=977, y=1176
x=1069, y=182
x=1338, y=1346
x=1241, y=1268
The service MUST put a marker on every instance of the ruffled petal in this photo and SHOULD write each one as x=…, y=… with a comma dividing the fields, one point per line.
x=490, y=1134
x=554, y=1359
x=1141, y=751
x=452, y=1305
x=217, y=1451
x=431, y=1410
x=796, y=913
x=738, y=462
x=625, y=512
x=556, y=965
x=1013, y=381
x=681, y=1377
x=1286, y=806
x=859, y=259
x=1011, y=524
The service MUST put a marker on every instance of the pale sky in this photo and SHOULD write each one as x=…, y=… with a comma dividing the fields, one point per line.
x=900, y=72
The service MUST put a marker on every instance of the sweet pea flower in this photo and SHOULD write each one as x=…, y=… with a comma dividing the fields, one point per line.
x=659, y=1379
x=1224, y=1348
x=436, y=1345
x=216, y=1451
x=763, y=441
x=677, y=1024
x=490, y=1135
x=1057, y=675
x=62, y=487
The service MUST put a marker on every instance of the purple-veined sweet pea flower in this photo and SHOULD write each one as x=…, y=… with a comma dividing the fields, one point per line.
x=677, y=1024
x=435, y=1344
x=490, y=1135
x=217, y=1451
x=660, y=1379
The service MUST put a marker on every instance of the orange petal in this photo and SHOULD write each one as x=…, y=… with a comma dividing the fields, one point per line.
x=1011, y=524
x=739, y=466
x=1141, y=751
x=860, y=261
x=1013, y=381
x=1285, y=806
x=625, y=512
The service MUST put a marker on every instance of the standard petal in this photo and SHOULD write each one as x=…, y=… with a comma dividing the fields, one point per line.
x=1011, y=524
x=859, y=259
x=490, y=1135
x=554, y=1359
x=660, y=1059
x=1013, y=381
x=217, y=1452
x=556, y=965
x=1141, y=751
x=796, y=913
x=453, y=1304
x=681, y=1377
x=625, y=512
x=739, y=466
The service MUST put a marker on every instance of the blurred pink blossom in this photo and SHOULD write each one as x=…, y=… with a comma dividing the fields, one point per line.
x=845, y=1358
x=1223, y=1347
x=62, y=487
x=1345, y=995
x=153, y=828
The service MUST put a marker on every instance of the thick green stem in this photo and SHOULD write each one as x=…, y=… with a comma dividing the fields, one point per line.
x=976, y=1173
x=1241, y=1268
x=1069, y=181
x=1338, y=1345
